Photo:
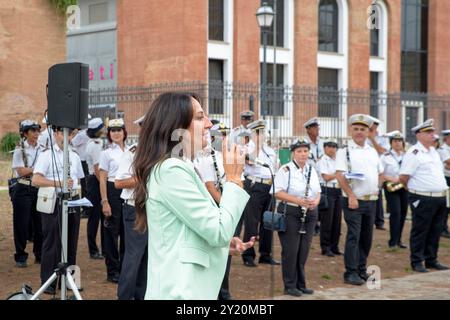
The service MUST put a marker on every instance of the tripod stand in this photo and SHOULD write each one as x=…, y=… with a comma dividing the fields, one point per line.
x=62, y=270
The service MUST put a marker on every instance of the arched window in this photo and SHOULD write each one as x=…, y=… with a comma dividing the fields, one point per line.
x=328, y=26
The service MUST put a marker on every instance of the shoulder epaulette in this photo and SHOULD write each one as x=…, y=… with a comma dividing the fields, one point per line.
x=415, y=151
x=133, y=149
x=286, y=168
x=96, y=142
x=386, y=153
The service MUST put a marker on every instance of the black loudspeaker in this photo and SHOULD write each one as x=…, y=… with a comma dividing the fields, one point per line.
x=68, y=95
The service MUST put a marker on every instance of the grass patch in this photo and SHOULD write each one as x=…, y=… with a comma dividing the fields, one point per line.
x=444, y=245
x=327, y=276
x=393, y=250
x=408, y=269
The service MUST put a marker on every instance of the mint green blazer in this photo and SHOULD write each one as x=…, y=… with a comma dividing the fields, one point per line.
x=188, y=234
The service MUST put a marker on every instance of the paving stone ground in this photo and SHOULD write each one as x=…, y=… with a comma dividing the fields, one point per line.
x=428, y=286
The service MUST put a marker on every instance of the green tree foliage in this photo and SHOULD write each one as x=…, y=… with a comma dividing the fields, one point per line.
x=61, y=5
x=9, y=142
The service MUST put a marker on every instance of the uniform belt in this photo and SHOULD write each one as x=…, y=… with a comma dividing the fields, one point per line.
x=429, y=194
x=369, y=197
x=333, y=185
x=292, y=204
x=25, y=182
x=129, y=202
x=259, y=180
x=112, y=180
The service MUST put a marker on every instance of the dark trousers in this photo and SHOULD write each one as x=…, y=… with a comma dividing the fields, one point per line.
x=330, y=224
x=95, y=214
x=83, y=181
x=51, y=245
x=295, y=247
x=397, y=203
x=427, y=219
x=133, y=277
x=448, y=209
x=24, y=200
x=359, y=234
x=224, y=293
x=253, y=213
x=379, y=216
x=113, y=232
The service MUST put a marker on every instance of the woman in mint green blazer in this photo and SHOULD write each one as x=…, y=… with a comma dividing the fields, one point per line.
x=188, y=234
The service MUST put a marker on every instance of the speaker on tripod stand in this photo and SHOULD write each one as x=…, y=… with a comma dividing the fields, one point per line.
x=67, y=96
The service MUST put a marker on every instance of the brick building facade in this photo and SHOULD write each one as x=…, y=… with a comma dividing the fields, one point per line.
x=32, y=38
x=320, y=43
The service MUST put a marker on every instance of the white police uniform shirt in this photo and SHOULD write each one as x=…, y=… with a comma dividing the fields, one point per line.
x=265, y=154
x=94, y=148
x=391, y=162
x=425, y=169
x=51, y=167
x=299, y=178
x=382, y=141
x=125, y=171
x=31, y=154
x=315, y=153
x=235, y=133
x=206, y=168
x=327, y=165
x=44, y=138
x=444, y=153
x=110, y=159
x=363, y=160
x=79, y=144
x=316, y=149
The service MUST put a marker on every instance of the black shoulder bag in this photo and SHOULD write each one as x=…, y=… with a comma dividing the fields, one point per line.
x=276, y=221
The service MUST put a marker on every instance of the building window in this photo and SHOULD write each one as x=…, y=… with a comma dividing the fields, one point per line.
x=414, y=46
x=374, y=94
x=328, y=26
x=328, y=98
x=280, y=23
x=375, y=42
x=275, y=94
x=216, y=20
x=98, y=13
x=215, y=87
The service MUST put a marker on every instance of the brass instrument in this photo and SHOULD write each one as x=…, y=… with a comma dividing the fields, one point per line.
x=393, y=187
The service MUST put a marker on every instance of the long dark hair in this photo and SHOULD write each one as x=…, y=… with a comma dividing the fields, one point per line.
x=169, y=112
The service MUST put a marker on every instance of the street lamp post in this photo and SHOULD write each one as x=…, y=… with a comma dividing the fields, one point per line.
x=264, y=16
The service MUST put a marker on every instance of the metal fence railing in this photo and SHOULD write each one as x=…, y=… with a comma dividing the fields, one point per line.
x=285, y=108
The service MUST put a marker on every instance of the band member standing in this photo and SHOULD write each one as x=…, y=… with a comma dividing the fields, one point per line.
x=133, y=277
x=46, y=137
x=48, y=172
x=423, y=173
x=258, y=182
x=111, y=200
x=212, y=173
x=79, y=144
x=395, y=193
x=444, y=153
x=297, y=185
x=95, y=132
x=24, y=194
x=381, y=145
x=316, y=151
x=360, y=196
x=330, y=224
